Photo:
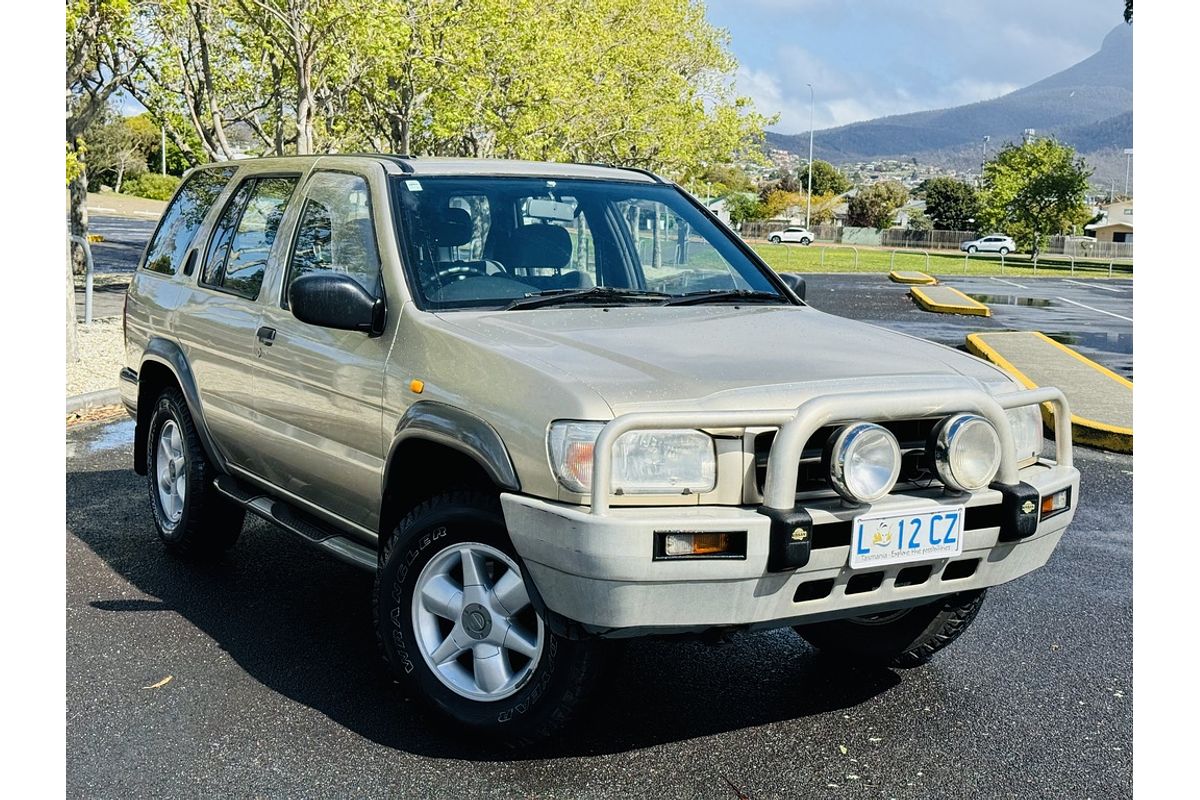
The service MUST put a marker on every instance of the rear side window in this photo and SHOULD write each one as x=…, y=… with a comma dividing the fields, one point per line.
x=241, y=243
x=336, y=232
x=183, y=217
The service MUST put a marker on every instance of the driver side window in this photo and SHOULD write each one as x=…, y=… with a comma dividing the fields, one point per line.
x=336, y=232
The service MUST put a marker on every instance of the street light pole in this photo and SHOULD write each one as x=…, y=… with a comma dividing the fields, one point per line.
x=808, y=191
x=163, y=147
x=1128, y=163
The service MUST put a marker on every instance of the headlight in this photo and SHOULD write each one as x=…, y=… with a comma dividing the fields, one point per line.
x=863, y=460
x=1026, y=424
x=644, y=462
x=966, y=452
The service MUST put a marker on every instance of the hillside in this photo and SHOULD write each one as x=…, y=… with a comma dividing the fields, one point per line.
x=1088, y=105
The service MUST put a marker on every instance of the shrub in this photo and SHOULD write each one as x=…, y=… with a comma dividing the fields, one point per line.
x=155, y=187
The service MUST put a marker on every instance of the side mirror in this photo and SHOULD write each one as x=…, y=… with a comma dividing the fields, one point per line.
x=335, y=300
x=795, y=283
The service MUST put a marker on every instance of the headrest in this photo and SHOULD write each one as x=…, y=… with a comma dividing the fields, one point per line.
x=451, y=227
x=538, y=245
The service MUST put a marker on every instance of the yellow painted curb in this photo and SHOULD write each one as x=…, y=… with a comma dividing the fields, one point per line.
x=1083, y=430
x=911, y=277
x=95, y=238
x=967, y=306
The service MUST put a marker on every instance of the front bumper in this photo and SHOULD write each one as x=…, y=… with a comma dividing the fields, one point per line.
x=593, y=572
x=599, y=571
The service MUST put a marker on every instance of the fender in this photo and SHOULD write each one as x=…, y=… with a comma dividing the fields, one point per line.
x=459, y=430
x=170, y=354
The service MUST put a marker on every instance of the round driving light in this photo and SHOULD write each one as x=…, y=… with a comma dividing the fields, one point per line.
x=863, y=461
x=966, y=452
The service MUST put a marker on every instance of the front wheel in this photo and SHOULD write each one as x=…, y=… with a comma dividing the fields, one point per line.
x=806, y=242
x=457, y=627
x=972, y=249
x=775, y=240
x=907, y=637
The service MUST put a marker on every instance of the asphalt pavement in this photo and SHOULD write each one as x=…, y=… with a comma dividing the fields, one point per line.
x=276, y=690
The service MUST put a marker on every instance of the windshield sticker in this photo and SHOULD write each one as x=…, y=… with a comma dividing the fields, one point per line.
x=413, y=186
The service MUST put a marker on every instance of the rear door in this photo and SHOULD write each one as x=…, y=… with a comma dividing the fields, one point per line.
x=319, y=401
x=218, y=322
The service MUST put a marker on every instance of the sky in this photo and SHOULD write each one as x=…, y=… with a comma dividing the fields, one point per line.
x=872, y=58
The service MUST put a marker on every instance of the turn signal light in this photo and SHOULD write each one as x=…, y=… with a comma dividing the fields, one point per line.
x=1056, y=503
x=700, y=545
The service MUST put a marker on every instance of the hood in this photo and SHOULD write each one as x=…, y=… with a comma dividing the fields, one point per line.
x=717, y=357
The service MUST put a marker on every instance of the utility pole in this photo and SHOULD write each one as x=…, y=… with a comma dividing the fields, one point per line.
x=162, y=129
x=1128, y=164
x=808, y=191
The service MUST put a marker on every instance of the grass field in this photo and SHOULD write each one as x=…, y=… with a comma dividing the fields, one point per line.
x=831, y=258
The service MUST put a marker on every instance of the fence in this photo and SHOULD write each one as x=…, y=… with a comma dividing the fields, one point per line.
x=937, y=240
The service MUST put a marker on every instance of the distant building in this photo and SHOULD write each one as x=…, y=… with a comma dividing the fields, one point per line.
x=1117, y=225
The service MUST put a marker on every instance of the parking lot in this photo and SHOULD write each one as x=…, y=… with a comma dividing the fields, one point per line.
x=276, y=689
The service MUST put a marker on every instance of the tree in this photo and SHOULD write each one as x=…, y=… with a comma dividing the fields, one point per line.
x=115, y=151
x=100, y=57
x=875, y=206
x=919, y=221
x=826, y=179
x=744, y=207
x=1129, y=11
x=1034, y=190
x=951, y=205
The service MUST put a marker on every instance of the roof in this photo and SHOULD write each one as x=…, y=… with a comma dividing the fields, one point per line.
x=414, y=165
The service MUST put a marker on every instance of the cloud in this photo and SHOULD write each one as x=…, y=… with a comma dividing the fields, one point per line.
x=885, y=57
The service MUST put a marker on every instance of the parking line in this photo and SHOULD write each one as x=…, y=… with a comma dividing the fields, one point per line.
x=1094, y=286
x=1097, y=310
x=1010, y=283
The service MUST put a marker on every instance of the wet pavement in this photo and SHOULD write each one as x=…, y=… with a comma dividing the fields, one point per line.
x=276, y=689
x=1093, y=316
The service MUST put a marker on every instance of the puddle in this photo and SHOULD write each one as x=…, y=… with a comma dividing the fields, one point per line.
x=112, y=437
x=1012, y=300
x=1108, y=342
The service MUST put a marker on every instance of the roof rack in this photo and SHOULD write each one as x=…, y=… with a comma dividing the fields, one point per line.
x=657, y=178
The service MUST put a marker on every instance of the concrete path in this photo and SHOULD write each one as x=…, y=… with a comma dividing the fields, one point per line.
x=947, y=300
x=1101, y=400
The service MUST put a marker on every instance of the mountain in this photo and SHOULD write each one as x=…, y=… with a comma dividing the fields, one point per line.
x=1088, y=105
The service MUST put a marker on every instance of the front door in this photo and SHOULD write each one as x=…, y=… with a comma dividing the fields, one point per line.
x=319, y=404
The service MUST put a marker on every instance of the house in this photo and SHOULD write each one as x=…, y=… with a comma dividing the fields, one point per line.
x=1117, y=224
x=718, y=206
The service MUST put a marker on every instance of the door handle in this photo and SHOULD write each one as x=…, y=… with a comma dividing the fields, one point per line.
x=266, y=335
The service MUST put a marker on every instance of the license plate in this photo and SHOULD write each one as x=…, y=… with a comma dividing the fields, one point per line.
x=883, y=539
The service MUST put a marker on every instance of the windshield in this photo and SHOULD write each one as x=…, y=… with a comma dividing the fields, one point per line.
x=485, y=242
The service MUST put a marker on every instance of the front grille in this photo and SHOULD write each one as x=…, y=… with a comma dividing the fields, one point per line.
x=912, y=434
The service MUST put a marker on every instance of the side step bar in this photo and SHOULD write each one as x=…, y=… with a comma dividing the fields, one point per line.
x=298, y=522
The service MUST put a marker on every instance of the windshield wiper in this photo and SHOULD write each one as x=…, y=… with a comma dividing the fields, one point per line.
x=725, y=296
x=599, y=294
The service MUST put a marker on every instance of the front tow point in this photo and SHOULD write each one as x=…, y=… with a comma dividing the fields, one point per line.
x=791, y=538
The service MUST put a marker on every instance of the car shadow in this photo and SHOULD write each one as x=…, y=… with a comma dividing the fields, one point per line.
x=300, y=623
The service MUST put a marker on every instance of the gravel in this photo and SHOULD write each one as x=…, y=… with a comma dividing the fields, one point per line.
x=101, y=349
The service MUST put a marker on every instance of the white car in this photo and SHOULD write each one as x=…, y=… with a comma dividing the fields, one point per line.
x=990, y=244
x=795, y=233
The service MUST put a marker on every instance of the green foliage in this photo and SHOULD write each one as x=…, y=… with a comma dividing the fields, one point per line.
x=151, y=185
x=919, y=221
x=1129, y=11
x=744, y=207
x=116, y=150
x=952, y=205
x=826, y=179
x=875, y=206
x=1034, y=190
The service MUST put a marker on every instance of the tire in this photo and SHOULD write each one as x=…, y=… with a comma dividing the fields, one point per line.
x=903, y=639
x=536, y=687
x=806, y=242
x=775, y=240
x=1003, y=251
x=190, y=516
x=972, y=249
